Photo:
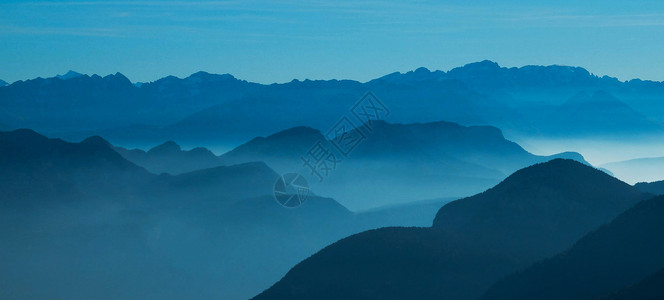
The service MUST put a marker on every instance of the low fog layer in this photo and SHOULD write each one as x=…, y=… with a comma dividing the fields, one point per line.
x=632, y=159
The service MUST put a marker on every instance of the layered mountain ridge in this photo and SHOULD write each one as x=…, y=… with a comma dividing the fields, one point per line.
x=475, y=241
x=206, y=108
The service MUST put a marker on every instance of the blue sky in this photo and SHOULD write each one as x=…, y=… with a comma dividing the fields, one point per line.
x=277, y=41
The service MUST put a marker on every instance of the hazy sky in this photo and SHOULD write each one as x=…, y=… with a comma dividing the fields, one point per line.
x=276, y=41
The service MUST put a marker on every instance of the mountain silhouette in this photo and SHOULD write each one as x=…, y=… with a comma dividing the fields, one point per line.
x=83, y=208
x=69, y=75
x=596, y=114
x=649, y=288
x=484, y=146
x=204, y=108
x=564, y=208
x=92, y=220
x=316, y=104
x=170, y=158
x=489, y=75
x=75, y=104
x=425, y=96
x=534, y=213
x=37, y=170
x=281, y=150
x=416, y=161
x=615, y=256
x=656, y=188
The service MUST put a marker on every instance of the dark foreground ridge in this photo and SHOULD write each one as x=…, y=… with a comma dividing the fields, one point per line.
x=614, y=257
x=537, y=212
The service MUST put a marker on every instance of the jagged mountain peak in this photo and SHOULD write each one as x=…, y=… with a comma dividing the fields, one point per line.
x=96, y=140
x=165, y=148
x=69, y=75
x=205, y=75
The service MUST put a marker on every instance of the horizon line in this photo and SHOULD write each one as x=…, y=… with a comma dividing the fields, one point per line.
x=330, y=79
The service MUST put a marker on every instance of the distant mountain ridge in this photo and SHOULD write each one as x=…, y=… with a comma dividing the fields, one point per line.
x=451, y=160
x=655, y=188
x=203, y=107
x=488, y=74
x=170, y=158
x=69, y=75
x=36, y=168
x=83, y=208
x=415, y=161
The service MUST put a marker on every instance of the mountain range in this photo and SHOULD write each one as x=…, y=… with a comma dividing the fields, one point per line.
x=396, y=163
x=100, y=212
x=445, y=159
x=89, y=211
x=69, y=75
x=36, y=167
x=209, y=110
x=656, y=187
x=535, y=213
x=419, y=161
x=170, y=158
x=83, y=210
